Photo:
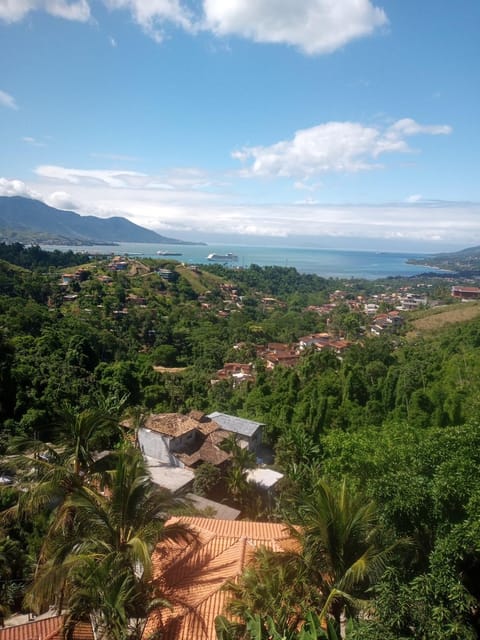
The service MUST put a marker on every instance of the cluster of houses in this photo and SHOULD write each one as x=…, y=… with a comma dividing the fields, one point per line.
x=174, y=445
x=190, y=572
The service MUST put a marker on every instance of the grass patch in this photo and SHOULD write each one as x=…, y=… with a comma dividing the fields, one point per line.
x=436, y=319
x=200, y=281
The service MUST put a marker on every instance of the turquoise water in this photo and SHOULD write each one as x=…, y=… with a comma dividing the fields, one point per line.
x=323, y=262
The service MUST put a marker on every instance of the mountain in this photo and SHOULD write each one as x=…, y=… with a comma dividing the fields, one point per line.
x=31, y=221
x=465, y=262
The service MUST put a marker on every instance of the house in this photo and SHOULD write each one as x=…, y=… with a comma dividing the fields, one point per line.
x=46, y=627
x=314, y=339
x=264, y=478
x=67, y=278
x=118, y=264
x=174, y=444
x=248, y=432
x=466, y=293
x=190, y=573
x=386, y=322
x=281, y=358
x=236, y=371
x=165, y=434
x=277, y=353
x=166, y=274
x=410, y=302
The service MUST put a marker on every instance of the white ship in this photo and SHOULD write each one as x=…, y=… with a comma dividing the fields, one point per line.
x=219, y=257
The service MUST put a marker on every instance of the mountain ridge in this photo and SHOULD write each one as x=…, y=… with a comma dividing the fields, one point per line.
x=32, y=221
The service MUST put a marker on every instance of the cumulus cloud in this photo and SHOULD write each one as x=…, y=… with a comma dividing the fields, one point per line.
x=6, y=100
x=314, y=26
x=16, y=188
x=62, y=200
x=153, y=15
x=346, y=147
x=16, y=10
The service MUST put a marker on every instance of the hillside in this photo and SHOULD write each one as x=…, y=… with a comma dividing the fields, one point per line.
x=31, y=221
x=464, y=262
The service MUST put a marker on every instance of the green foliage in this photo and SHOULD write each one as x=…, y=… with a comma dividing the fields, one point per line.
x=207, y=477
x=257, y=627
x=33, y=256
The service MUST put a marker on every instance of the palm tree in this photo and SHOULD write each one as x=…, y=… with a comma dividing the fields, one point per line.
x=53, y=473
x=108, y=594
x=341, y=547
x=340, y=556
x=242, y=460
x=271, y=586
x=103, y=559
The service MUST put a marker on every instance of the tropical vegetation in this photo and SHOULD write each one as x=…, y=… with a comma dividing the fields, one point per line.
x=379, y=445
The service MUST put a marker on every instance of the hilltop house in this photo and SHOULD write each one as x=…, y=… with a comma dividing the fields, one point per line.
x=248, y=432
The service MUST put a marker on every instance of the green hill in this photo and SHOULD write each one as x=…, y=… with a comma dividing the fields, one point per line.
x=31, y=221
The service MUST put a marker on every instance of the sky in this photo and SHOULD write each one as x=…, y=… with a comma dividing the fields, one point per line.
x=336, y=124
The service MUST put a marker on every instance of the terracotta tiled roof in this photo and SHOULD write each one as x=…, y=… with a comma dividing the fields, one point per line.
x=45, y=629
x=208, y=452
x=190, y=575
x=177, y=424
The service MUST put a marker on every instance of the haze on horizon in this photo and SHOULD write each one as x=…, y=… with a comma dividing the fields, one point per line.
x=352, y=127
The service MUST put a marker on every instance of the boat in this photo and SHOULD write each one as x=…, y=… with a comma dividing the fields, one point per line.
x=168, y=253
x=219, y=257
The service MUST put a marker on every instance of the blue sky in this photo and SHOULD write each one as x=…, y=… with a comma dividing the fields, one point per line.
x=340, y=124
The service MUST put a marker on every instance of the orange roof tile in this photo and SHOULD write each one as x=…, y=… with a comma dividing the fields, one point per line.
x=190, y=575
x=45, y=629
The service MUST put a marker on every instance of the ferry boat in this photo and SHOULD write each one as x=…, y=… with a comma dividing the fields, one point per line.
x=219, y=257
x=168, y=253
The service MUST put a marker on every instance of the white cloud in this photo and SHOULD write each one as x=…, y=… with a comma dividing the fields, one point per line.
x=6, y=100
x=62, y=200
x=16, y=188
x=182, y=178
x=33, y=141
x=188, y=212
x=345, y=147
x=78, y=10
x=314, y=26
x=109, y=177
x=415, y=197
x=152, y=15
x=16, y=10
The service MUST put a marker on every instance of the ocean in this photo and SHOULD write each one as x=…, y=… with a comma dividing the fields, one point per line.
x=335, y=263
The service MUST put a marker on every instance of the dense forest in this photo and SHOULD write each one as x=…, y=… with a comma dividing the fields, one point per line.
x=379, y=445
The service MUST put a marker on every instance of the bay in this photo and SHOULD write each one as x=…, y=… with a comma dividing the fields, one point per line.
x=335, y=263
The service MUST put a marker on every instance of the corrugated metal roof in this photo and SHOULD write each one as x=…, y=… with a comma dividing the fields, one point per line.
x=234, y=424
x=190, y=574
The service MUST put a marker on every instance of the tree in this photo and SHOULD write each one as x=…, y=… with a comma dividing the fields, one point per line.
x=110, y=542
x=242, y=460
x=341, y=549
x=339, y=557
